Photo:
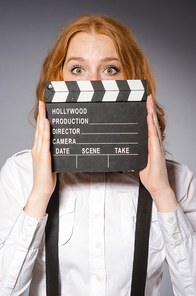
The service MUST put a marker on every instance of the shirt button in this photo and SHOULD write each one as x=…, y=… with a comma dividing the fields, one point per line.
x=98, y=277
x=97, y=245
x=29, y=223
x=97, y=216
x=98, y=186
x=171, y=220
x=24, y=239
x=175, y=236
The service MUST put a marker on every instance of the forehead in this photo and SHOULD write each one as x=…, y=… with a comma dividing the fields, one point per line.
x=91, y=41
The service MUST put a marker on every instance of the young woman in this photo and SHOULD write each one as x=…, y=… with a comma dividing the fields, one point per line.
x=97, y=211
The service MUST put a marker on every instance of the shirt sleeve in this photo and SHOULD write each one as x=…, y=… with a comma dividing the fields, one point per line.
x=21, y=236
x=178, y=230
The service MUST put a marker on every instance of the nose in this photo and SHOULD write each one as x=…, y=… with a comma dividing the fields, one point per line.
x=94, y=76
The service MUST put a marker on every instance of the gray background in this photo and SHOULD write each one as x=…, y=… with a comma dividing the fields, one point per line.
x=164, y=29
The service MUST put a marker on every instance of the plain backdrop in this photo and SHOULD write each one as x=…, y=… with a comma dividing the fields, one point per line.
x=165, y=30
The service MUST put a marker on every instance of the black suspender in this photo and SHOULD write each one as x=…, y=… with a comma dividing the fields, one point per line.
x=140, y=262
x=51, y=243
x=142, y=232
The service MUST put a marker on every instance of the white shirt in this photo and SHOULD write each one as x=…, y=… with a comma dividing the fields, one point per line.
x=96, y=235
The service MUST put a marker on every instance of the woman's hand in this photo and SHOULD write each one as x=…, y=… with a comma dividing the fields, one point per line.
x=43, y=179
x=154, y=176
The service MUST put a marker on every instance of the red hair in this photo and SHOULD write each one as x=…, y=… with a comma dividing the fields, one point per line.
x=133, y=62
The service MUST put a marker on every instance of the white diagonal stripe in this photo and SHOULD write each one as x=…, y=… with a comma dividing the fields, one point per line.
x=85, y=96
x=110, y=96
x=85, y=85
x=60, y=97
x=135, y=84
x=110, y=85
x=59, y=86
x=136, y=95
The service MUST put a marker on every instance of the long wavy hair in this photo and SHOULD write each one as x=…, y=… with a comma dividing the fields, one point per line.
x=132, y=60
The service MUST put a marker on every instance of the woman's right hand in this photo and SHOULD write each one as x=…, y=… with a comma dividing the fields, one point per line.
x=44, y=180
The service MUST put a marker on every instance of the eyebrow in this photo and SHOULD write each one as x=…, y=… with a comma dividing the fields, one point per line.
x=80, y=59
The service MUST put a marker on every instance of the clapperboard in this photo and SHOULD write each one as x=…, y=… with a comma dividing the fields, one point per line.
x=97, y=126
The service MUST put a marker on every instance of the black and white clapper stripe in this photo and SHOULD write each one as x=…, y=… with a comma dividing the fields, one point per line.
x=95, y=91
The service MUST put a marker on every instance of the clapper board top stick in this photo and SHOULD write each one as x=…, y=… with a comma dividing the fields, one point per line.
x=97, y=126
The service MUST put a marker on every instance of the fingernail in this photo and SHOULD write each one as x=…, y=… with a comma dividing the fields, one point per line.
x=151, y=100
x=39, y=105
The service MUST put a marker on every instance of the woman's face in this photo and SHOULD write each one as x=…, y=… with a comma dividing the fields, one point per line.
x=91, y=57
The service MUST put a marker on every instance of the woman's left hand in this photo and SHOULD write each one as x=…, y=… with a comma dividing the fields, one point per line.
x=154, y=176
